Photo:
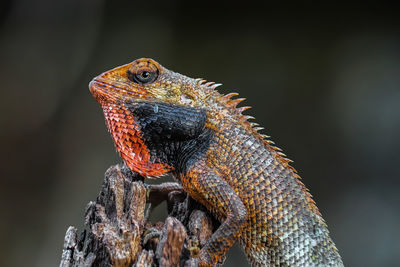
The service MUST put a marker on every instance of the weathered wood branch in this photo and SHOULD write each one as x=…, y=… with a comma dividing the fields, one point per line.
x=119, y=233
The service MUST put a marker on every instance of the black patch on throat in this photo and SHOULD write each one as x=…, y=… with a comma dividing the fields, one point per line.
x=175, y=135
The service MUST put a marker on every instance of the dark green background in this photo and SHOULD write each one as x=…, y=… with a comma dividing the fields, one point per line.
x=323, y=80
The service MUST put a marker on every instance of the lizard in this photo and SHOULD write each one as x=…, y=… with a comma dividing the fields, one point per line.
x=165, y=122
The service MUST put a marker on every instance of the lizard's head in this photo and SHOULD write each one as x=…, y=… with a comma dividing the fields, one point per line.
x=153, y=114
x=145, y=79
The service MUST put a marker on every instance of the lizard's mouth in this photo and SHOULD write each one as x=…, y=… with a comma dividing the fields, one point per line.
x=101, y=90
x=104, y=90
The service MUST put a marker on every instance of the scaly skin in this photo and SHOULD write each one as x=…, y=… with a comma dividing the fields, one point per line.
x=164, y=122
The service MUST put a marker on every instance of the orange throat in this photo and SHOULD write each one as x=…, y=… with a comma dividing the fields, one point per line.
x=130, y=143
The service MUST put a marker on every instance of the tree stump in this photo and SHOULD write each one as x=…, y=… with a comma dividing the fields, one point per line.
x=120, y=234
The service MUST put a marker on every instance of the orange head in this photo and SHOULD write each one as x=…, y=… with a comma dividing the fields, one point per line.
x=149, y=109
x=147, y=80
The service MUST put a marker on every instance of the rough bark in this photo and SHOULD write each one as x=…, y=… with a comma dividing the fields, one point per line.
x=119, y=234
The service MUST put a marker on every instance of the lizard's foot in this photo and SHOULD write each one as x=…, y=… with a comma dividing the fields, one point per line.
x=150, y=234
x=157, y=193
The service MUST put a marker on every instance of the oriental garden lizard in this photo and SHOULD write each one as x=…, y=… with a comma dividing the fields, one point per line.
x=164, y=122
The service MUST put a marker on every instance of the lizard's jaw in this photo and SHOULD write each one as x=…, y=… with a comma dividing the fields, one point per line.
x=104, y=90
x=100, y=91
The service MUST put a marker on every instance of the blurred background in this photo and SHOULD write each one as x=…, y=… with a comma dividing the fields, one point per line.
x=323, y=80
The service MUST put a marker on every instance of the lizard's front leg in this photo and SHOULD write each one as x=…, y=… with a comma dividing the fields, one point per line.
x=157, y=193
x=205, y=186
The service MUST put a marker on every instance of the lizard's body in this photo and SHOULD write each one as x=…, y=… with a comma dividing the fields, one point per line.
x=162, y=122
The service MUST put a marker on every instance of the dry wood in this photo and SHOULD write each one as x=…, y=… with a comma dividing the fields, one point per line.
x=119, y=233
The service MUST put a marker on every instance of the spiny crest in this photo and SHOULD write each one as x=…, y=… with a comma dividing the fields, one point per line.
x=228, y=97
x=225, y=99
x=232, y=104
x=209, y=85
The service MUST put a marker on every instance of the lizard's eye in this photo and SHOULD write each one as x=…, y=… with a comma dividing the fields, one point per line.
x=143, y=71
x=142, y=76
